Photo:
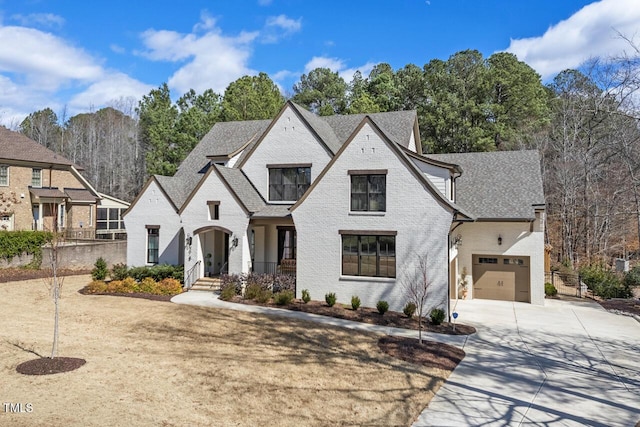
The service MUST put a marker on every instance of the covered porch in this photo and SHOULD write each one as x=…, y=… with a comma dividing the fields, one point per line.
x=273, y=246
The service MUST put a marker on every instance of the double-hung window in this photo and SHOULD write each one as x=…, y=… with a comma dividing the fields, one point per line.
x=153, y=243
x=4, y=175
x=368, y=191
x=287, y=183
x=370, y=254
x=36, y=177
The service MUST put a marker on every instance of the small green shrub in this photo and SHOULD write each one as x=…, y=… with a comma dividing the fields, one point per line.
x=251, y=291
x=100, y=270
x=232, y=281
x=632, y=278
x=604, y=282
x=264, y=295
x=330, y=299
x=437, y=316
x=119, y=272
x=355, y=302
x=158, y=272
x=550, y=290
x=382, y=307
x=96, y=287
x=228, y=291
x=283, y=297
x=306, y=297
x=409, y=309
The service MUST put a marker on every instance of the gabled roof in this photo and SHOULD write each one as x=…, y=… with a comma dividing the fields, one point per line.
x=241, y=187
x=504, y=185
x=428, y=185
x=16, y=146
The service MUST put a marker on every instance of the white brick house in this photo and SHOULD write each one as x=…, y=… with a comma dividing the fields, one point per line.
x=348, y=204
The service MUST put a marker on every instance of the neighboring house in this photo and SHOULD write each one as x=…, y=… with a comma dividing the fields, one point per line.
x=349, y=205
x=109, y=218
x=40, y=190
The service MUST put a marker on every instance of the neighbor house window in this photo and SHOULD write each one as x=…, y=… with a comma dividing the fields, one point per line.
x=109, y=219
x=153, y=243
x=36, y=177
x=214, y=209
x=371, y=255
x=4, y=175
x=288, y=183
x=368, y=191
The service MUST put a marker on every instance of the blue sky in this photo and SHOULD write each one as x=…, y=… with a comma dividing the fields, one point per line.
x=80, y=56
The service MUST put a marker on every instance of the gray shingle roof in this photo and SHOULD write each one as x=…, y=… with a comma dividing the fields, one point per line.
x=321, y=127
x=242, y=187
x=80, y=195
x=273, y=211
x=498, y=185
x=16, y=146
x=397, y=125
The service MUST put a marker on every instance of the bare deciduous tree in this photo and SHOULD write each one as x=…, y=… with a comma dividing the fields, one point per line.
x=54, y=281
x=416, y=287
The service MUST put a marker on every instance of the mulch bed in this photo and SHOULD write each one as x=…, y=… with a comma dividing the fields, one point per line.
x=367, y=315
x=48, y=366
x=430, y=353
x=625, y=305
x=17, y=274
x=142, y=295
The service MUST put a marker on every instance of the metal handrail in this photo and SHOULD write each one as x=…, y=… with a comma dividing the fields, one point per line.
x=193, y=274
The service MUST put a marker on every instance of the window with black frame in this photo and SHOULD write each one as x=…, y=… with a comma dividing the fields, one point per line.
x=153, y=244
x=288, y=184
x=286, y=243
x=368, y=193
x=369, y=255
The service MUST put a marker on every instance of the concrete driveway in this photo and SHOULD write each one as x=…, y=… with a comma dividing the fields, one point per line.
x=564, y=364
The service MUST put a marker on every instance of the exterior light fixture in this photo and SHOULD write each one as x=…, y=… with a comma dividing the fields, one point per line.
x=499, y=240
x=457, y=241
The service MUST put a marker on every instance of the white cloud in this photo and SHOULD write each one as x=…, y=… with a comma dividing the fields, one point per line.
x=113, y=86
x=278, y=27
x=43, y=58
x=365, y=69
x=213, y=60
x=46, y=20
x=590, y=32
x=264, y=2
x=338, y=66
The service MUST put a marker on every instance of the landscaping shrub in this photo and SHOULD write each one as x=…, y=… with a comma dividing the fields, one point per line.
x=264, y=281
x=283, y=282
x=437, y=316
x=409, y=309
x=355, y=302
x=330, y=299
x=96, y=287
x=168, y=286
x=382, y=307
x=227, y=292
x=119, y=272
x=251, y=291
x=158, y=272
x=264, y=295
x=100, y=270
x=283, y=297
x=632, y=278
x=148, y=285
x=550, y=290
x=306, y=297
x=233, y=282
x=604, y=282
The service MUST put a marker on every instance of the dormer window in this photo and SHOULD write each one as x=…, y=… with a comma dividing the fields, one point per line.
x=287, y=183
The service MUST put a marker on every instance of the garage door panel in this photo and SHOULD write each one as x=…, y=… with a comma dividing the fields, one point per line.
x=501, y=277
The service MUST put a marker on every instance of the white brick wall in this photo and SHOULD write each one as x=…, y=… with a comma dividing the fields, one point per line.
x=422, y=226
x=289, y=141
x=152, y=208
x=482, y=238
x=232, y=217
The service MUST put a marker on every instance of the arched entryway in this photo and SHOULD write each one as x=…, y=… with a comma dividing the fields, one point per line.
x=213, y=250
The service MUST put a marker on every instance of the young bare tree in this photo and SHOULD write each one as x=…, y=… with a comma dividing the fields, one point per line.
x=417, y=287
x=54, y=281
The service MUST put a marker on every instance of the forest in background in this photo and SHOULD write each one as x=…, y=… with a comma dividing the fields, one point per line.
x=584, y=124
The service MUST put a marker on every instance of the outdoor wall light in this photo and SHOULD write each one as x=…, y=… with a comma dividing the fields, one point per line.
x=189, y=240
x=499, y=240
x=457, y=241
x=234, y=242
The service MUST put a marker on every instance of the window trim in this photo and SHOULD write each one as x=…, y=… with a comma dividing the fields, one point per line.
x=214, y=214
x=359, y=235
x=370, y=173
x=6, y=168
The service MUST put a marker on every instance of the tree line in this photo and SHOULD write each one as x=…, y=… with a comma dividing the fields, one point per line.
x=584, y=125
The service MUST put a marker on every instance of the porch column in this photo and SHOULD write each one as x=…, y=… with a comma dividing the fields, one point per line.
x=40, y=210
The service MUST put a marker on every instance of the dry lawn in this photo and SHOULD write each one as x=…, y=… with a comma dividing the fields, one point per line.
x=152, y=363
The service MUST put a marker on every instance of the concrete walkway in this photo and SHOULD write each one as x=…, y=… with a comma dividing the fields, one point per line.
x=564, y=364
